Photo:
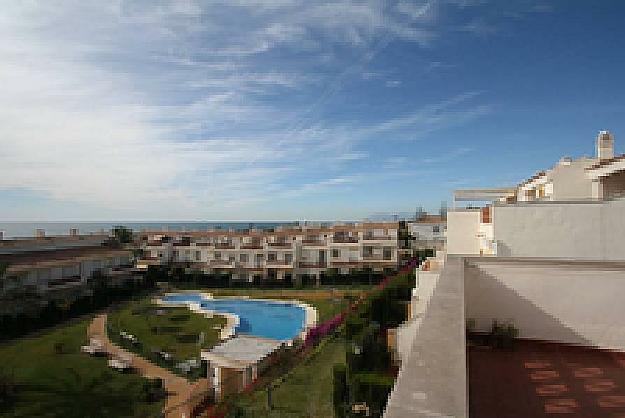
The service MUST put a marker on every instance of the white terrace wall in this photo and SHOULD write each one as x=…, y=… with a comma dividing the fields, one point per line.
x=591, y=230
x=575, y=302
x=463, y=228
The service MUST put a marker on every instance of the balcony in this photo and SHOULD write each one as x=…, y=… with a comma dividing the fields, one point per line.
x=312, y=265
x=345, y=240
x=221, y=263
x=280, y=244
x=279, y=263
x=252, y=246
x=378, y=258
x=224, y=246
x=313, y=243
x=378, y=238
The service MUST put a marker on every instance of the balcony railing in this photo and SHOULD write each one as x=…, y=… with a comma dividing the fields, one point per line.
x=313, y=242
x=224, y=246
x=254, y=246
x=308, y=265
x=345, y=240
x=378, y=238
x=377, y=258
x=221, y=263
x=278, y=263
x=280, y=244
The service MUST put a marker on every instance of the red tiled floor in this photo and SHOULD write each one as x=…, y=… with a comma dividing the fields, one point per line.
x=539, y=379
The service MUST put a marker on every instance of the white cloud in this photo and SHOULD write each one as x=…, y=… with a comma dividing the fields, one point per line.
x=159, y=108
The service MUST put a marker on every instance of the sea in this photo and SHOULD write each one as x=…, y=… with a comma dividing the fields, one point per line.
x=28, y=229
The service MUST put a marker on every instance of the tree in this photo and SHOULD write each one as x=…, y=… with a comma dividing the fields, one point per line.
x=122, y=234
x=8, y=388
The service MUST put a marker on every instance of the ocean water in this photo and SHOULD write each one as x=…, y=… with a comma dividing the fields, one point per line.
x=27, y=229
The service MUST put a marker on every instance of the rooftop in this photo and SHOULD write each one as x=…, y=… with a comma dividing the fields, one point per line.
x=539, y=379
x=40, y=259
x=241, y=351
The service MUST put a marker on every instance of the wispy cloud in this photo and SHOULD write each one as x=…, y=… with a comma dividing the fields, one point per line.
x=182, y=108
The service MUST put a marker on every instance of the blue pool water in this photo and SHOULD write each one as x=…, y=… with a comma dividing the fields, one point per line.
x=267, y=319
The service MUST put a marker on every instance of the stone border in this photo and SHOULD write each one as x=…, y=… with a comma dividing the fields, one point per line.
x=232, y=320
x=310, y=313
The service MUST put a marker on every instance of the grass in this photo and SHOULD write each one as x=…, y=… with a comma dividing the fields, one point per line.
x=176, y=330
x=36, y=361
x=306, y=391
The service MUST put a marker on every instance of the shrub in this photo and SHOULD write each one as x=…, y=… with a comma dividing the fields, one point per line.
x=372, y=389
x=340, y=392
x=502, y=335
x=59, y=347
x=187, y=338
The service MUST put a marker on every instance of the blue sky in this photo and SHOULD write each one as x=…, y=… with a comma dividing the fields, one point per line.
x=293, y=109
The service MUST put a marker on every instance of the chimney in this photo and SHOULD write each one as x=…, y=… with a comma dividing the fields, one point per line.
x=40, y=233
x=73, y=232
x=605, y=145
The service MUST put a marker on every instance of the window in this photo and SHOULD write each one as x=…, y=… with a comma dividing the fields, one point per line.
x=436, y=229
x=288, y=258
x=271, y=257
x=198, y=255
x=367, y=251
x=388, y=253
x=243, y=258
x=336, y=253
x=217, y=255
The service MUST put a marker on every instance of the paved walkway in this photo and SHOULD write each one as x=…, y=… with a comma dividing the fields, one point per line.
x=180, y=390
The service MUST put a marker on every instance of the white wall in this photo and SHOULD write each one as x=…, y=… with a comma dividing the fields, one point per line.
x=462, y=232
x=580, y=230
x=571, y=302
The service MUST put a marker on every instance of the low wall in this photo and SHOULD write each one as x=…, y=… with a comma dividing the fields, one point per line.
x=570, y=301
x=591, y=230
x=432, y=378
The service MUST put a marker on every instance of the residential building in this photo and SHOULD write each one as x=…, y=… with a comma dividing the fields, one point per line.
x=285, y=253
x=428, y=231
x=545, y=258
x=572, y=210
x=60, y=266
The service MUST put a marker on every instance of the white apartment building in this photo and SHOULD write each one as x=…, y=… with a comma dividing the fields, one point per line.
x=574, y=209
x=59, y=265
x=286, y=252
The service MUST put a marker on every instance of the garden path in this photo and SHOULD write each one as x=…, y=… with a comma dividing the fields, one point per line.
x=181, y=393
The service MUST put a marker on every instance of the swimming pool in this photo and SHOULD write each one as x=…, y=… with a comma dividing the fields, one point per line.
x=261, y=318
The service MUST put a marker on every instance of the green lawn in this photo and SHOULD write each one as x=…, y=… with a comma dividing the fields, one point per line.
x=70, y=384
x=306, y=391
x=175, y=330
